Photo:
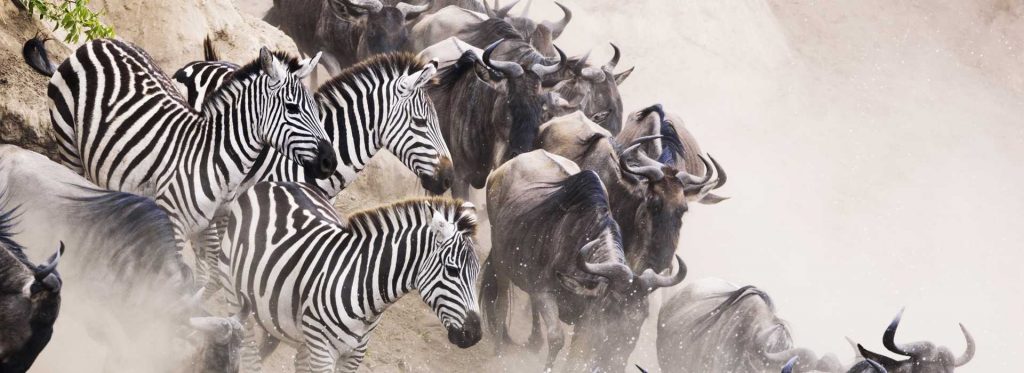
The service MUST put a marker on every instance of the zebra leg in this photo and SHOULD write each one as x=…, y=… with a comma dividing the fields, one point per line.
x=207, y=249
x=548, y=307
x=536, y=340
x=350, y=362
x=302, y=360
x=321, y=357
x=249, y=354
x=66, y=149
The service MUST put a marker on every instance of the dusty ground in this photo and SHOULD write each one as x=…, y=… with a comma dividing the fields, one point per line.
x=874, y=153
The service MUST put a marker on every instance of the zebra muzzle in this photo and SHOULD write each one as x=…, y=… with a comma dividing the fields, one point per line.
x=324, y=164
x=469, y=334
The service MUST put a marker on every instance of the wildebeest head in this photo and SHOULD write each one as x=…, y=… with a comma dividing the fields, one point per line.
x=923, y=357
x=593, y=89
x=29, y=302
x=609, y=327
x=524, y=100
x=221, y=341
x=385, y=27
x=663, y=192
x=541, y=35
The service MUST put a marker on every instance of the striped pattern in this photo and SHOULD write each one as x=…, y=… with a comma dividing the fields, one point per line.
x=121, y=123
x=376, y=104
x=320, y=282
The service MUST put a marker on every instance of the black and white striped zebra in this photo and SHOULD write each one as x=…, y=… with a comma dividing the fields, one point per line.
x=320, y=282
x=378, y=103
x=121, y=123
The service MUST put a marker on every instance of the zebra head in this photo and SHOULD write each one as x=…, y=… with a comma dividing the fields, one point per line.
x=447, y=276
x=290, y=120
x=413, y=133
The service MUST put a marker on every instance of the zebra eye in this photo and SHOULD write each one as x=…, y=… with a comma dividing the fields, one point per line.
x=452, y=271
x=292, y=108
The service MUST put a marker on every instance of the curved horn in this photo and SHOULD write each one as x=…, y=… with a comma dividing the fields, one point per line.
x=510, y=69
x=876, y=366
x=610, y=66
x=652, y=280
x=413, y=11
x=788, y=368
x=889, y=337
x=51, y=265
x=722, y=177
x=368, y=5
x=611, y=271
x=542, y=70
x=969, y=353
x=656, y=108
x=557, y=27
x=649, y=169
x=581, y=63
x=502, y=12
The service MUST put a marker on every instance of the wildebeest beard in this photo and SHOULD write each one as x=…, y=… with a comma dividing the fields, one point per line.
x=650, y=232
x=383, y=32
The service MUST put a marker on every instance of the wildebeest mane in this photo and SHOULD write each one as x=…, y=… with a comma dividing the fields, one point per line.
x=670, y=144
x=130, y=235
x=525, y=110
x=486, y=32
x=731, y=303
x=7, y=221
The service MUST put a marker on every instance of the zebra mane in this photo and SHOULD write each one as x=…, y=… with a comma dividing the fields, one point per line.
x=454, y=210
x=386, y=64
x=248, y=71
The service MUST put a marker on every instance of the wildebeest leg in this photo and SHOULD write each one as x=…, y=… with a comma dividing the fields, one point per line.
x=548, y=308
x=494, y=301
x=536, y=340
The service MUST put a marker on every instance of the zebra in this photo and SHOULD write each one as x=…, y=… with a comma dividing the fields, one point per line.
x=378, y=103
x=122, y=124
x=320, y=282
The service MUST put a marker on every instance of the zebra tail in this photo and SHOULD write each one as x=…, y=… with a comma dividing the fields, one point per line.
x=209, y=53
x=36, y=57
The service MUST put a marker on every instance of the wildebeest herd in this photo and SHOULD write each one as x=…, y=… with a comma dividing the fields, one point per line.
x=242, y=163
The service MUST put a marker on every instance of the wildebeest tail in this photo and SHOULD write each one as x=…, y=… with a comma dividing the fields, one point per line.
x=36, y=57
x=489, y=294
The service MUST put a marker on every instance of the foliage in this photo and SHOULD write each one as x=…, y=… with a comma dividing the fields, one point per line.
x=71, y=15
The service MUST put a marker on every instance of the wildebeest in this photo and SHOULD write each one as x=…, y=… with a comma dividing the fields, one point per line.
x=714, y=326
x=481, y=30
x=648, y=198
x=488, y=117
x=923, y=357
x=345, y=30
x=122, y=257
x=29, y=299
x=554, y=237
x=220, y=349
x=864, y=366
x=594, y=90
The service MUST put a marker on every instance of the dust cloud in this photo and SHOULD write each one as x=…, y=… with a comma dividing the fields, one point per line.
x=873, y=151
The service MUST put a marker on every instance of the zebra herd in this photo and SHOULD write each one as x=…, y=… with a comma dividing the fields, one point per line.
x=242, y=163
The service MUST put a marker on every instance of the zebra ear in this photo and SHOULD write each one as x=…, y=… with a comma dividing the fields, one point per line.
x=271, y=66
x=307, y=66
x=441, y=227
x=420, y=78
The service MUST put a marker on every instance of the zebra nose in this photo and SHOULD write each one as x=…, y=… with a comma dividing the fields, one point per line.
x=326, y=162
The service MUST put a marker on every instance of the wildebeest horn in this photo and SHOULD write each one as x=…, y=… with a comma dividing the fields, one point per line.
x=969, y=353
x=788, y=368
x=610, y=66
x=526, y=9
x=611, y=271
x=908, y=349
x=557, y=27
x=878, y=367
x=368, y=5
x=46, y=269
x=510, y=69
x=409, y=10
x=649, y=168
x=542, y=70
x=653, y=280
x=501, y=12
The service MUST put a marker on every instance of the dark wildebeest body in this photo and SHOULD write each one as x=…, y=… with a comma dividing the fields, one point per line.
x=347, y=31
x=481, y=29
x=29, y=299
x=543, y=211
x=487, y=117
x=922, y=357
x=714, y=326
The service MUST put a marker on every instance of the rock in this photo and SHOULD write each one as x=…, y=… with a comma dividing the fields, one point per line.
x=172, y=31
x=24, y=114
